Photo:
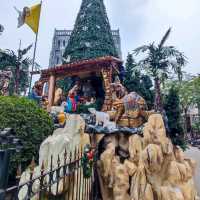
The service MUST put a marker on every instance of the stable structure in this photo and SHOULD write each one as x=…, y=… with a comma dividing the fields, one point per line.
x=90, y=52
x=106, y=67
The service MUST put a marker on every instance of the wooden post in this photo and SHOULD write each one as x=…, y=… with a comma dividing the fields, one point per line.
x=52, y=81
x=40, y=87
x=107, y=78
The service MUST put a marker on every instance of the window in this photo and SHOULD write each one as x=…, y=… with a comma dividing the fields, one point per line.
x=57, y=60
x=63, y=43
x=59, y=43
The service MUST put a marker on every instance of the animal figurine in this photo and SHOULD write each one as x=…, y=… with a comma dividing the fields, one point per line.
x=130, y=102
x=100, y=117
x=90, y=101
x=111, y=125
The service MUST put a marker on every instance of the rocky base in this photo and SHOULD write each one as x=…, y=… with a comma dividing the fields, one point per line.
x=144, y=167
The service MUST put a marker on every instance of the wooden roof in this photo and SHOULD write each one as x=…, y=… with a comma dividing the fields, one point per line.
x=83, y=66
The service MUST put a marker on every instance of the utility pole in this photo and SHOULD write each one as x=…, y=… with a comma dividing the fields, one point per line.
x=17, y=70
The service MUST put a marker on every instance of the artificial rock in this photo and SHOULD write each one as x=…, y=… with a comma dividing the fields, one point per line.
x=154, y=170
x=67, y=138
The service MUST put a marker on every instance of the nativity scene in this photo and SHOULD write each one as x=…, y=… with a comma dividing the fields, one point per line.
x=135, y=158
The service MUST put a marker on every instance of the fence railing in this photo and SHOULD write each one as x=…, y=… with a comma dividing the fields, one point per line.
x=63, y=180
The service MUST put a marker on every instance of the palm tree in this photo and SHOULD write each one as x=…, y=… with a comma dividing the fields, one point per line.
x=1, y=29
x=159, y=62
x=19, y=67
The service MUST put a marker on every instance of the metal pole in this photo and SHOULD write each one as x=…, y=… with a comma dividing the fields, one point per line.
x=4, y=160
x=34, y=52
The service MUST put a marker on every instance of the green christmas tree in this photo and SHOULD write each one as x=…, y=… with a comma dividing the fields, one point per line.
x=91, y=37
x=135, y=81
x=173, y=112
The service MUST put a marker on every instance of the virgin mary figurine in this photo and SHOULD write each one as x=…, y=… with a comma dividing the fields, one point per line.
x=72, y=100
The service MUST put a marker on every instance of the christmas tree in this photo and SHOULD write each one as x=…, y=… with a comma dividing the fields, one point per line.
x=91, y=37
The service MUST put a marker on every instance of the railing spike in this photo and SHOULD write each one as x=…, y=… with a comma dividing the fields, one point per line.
x=32, y=165
x=58, y=160
x=78, y=152
x=42, y=167
x=70, y=155
x=65, y=153
x=19, y=172
x=75, y=153
x=81, y=151
x=51, y=165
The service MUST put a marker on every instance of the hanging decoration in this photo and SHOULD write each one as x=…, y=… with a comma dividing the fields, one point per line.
x=87, y=161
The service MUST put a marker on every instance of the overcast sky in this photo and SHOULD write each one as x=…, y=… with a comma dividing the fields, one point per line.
x=140, y=22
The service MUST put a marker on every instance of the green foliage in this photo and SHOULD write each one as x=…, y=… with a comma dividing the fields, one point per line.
x=196, y=127
x=159, y=62
x=195, y=88
x=173, y=111
x=131, y=79
x=19, y=67
x=134, y=80
x=31, y=124
x=91, y=37
x=188, y=92
x=161, y=59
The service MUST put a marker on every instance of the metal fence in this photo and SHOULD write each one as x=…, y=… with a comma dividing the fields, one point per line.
x=64, y=181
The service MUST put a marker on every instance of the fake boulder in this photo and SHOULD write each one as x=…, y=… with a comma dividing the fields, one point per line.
x=154, y=169
x=63, y=139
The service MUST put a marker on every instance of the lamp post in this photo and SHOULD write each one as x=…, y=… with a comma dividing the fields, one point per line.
x=8, y=145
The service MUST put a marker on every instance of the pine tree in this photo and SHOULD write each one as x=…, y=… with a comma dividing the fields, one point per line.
x=91, y=37
x=173, y=112
x=146, y=90
x=135, y=81
x=131, y=81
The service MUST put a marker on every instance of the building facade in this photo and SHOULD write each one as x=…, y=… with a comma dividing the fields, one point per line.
x=61, y=39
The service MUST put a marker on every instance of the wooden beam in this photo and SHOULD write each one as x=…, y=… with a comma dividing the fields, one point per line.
x=35, y=72
x=107, y=78
x=91, y=64
x=52, y=82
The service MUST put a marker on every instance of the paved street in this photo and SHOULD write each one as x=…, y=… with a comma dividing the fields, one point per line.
x=194, y=153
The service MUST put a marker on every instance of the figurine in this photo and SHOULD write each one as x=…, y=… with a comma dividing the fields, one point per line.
x=58, y=97
x=89, y=101
x=100, y=117
x=72, y=99
x=118, y=90
x=125, y=102
x=61, y=118
x=34, y=95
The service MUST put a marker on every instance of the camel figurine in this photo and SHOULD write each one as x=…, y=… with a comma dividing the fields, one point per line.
x=128, y=106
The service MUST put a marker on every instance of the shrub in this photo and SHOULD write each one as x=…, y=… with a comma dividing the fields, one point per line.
x=31, y=124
